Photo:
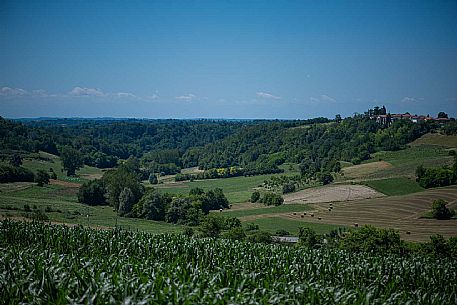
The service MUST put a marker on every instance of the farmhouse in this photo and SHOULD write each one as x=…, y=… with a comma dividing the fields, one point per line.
x=389, y=118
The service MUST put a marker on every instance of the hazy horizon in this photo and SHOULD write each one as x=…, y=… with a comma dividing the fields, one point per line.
x=226, y=59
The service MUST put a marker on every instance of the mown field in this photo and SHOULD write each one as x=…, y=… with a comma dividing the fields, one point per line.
x=403, y=213
x=60, y=265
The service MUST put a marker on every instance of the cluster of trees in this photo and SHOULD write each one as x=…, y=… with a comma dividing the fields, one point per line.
x=232, y=171
x=377, y=240
x=268, y=198
x=14, y=172
x=123, y=190
x=114, y=139
x=9, y=173
x=215, y=226
x=436, y=177
x=316, y=147
x=441, y=211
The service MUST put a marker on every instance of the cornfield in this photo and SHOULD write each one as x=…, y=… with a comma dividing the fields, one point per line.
x=43, y=263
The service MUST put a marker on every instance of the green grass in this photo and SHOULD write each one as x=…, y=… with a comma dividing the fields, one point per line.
x=273, y=224
x=406, y=161
x=66, y=208
x=48, y=161
x=437, y=139
x=236, y=189
x=395, y=186
x=267, y=210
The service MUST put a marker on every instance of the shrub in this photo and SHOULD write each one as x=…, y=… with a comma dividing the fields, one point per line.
x=212, y=225
x=231, y=223
x=288, y=188
x=282, y=232
x=15, y=174
x=371, y=239
x=41, y=177
x=255, y=197
x=260, y=237
x=235, y=234
x=251, y=227
x=308, y=237
x=153, y=205
x=92, y=193
x=440, y=211
x=126, y=201
x=153, y=179
x=272, y=199
x=326, y=178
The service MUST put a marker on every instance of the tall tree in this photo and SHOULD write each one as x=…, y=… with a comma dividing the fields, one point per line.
x=72, y=160
x=16, y=160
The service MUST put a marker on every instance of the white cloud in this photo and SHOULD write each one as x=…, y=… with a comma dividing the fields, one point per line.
x=7, y=91
x=326, y=98
x=124, y=95
x=322, y=98
x=267, y=95
x=186, y=97
x=408, y=99
x=153, y=97
x=78, y=91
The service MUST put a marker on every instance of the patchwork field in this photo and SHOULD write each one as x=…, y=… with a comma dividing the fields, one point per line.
x=398, y=212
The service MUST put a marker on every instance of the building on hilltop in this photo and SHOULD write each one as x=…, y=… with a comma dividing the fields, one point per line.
x=386, y=119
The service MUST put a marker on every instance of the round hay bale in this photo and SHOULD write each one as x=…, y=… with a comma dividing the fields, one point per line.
x=302, y=216
x=295, y=213
x=312, y=215
x=356, y=225
x=408, y=233
x=319, y=218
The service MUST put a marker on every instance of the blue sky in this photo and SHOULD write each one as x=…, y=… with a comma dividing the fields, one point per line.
x=226, y=59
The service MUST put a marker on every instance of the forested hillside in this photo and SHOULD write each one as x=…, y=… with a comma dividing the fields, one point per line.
x=247, y=147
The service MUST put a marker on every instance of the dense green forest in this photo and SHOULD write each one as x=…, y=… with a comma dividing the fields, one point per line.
x=222, y=148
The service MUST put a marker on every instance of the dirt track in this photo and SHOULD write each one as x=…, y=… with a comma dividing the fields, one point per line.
x=332, y=193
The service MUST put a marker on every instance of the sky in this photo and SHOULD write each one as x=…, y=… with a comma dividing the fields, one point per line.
x=226, y=59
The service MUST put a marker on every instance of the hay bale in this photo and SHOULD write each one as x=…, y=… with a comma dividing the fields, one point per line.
x=356, y=225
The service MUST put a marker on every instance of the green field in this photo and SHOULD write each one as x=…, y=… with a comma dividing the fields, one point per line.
x=236, y=189
x=47, y=161
x=395, y=186
x=437, y=139
x=60, y=204
x=60, y=265
x=272, y=224
x=404, y=162
x=260, y=210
